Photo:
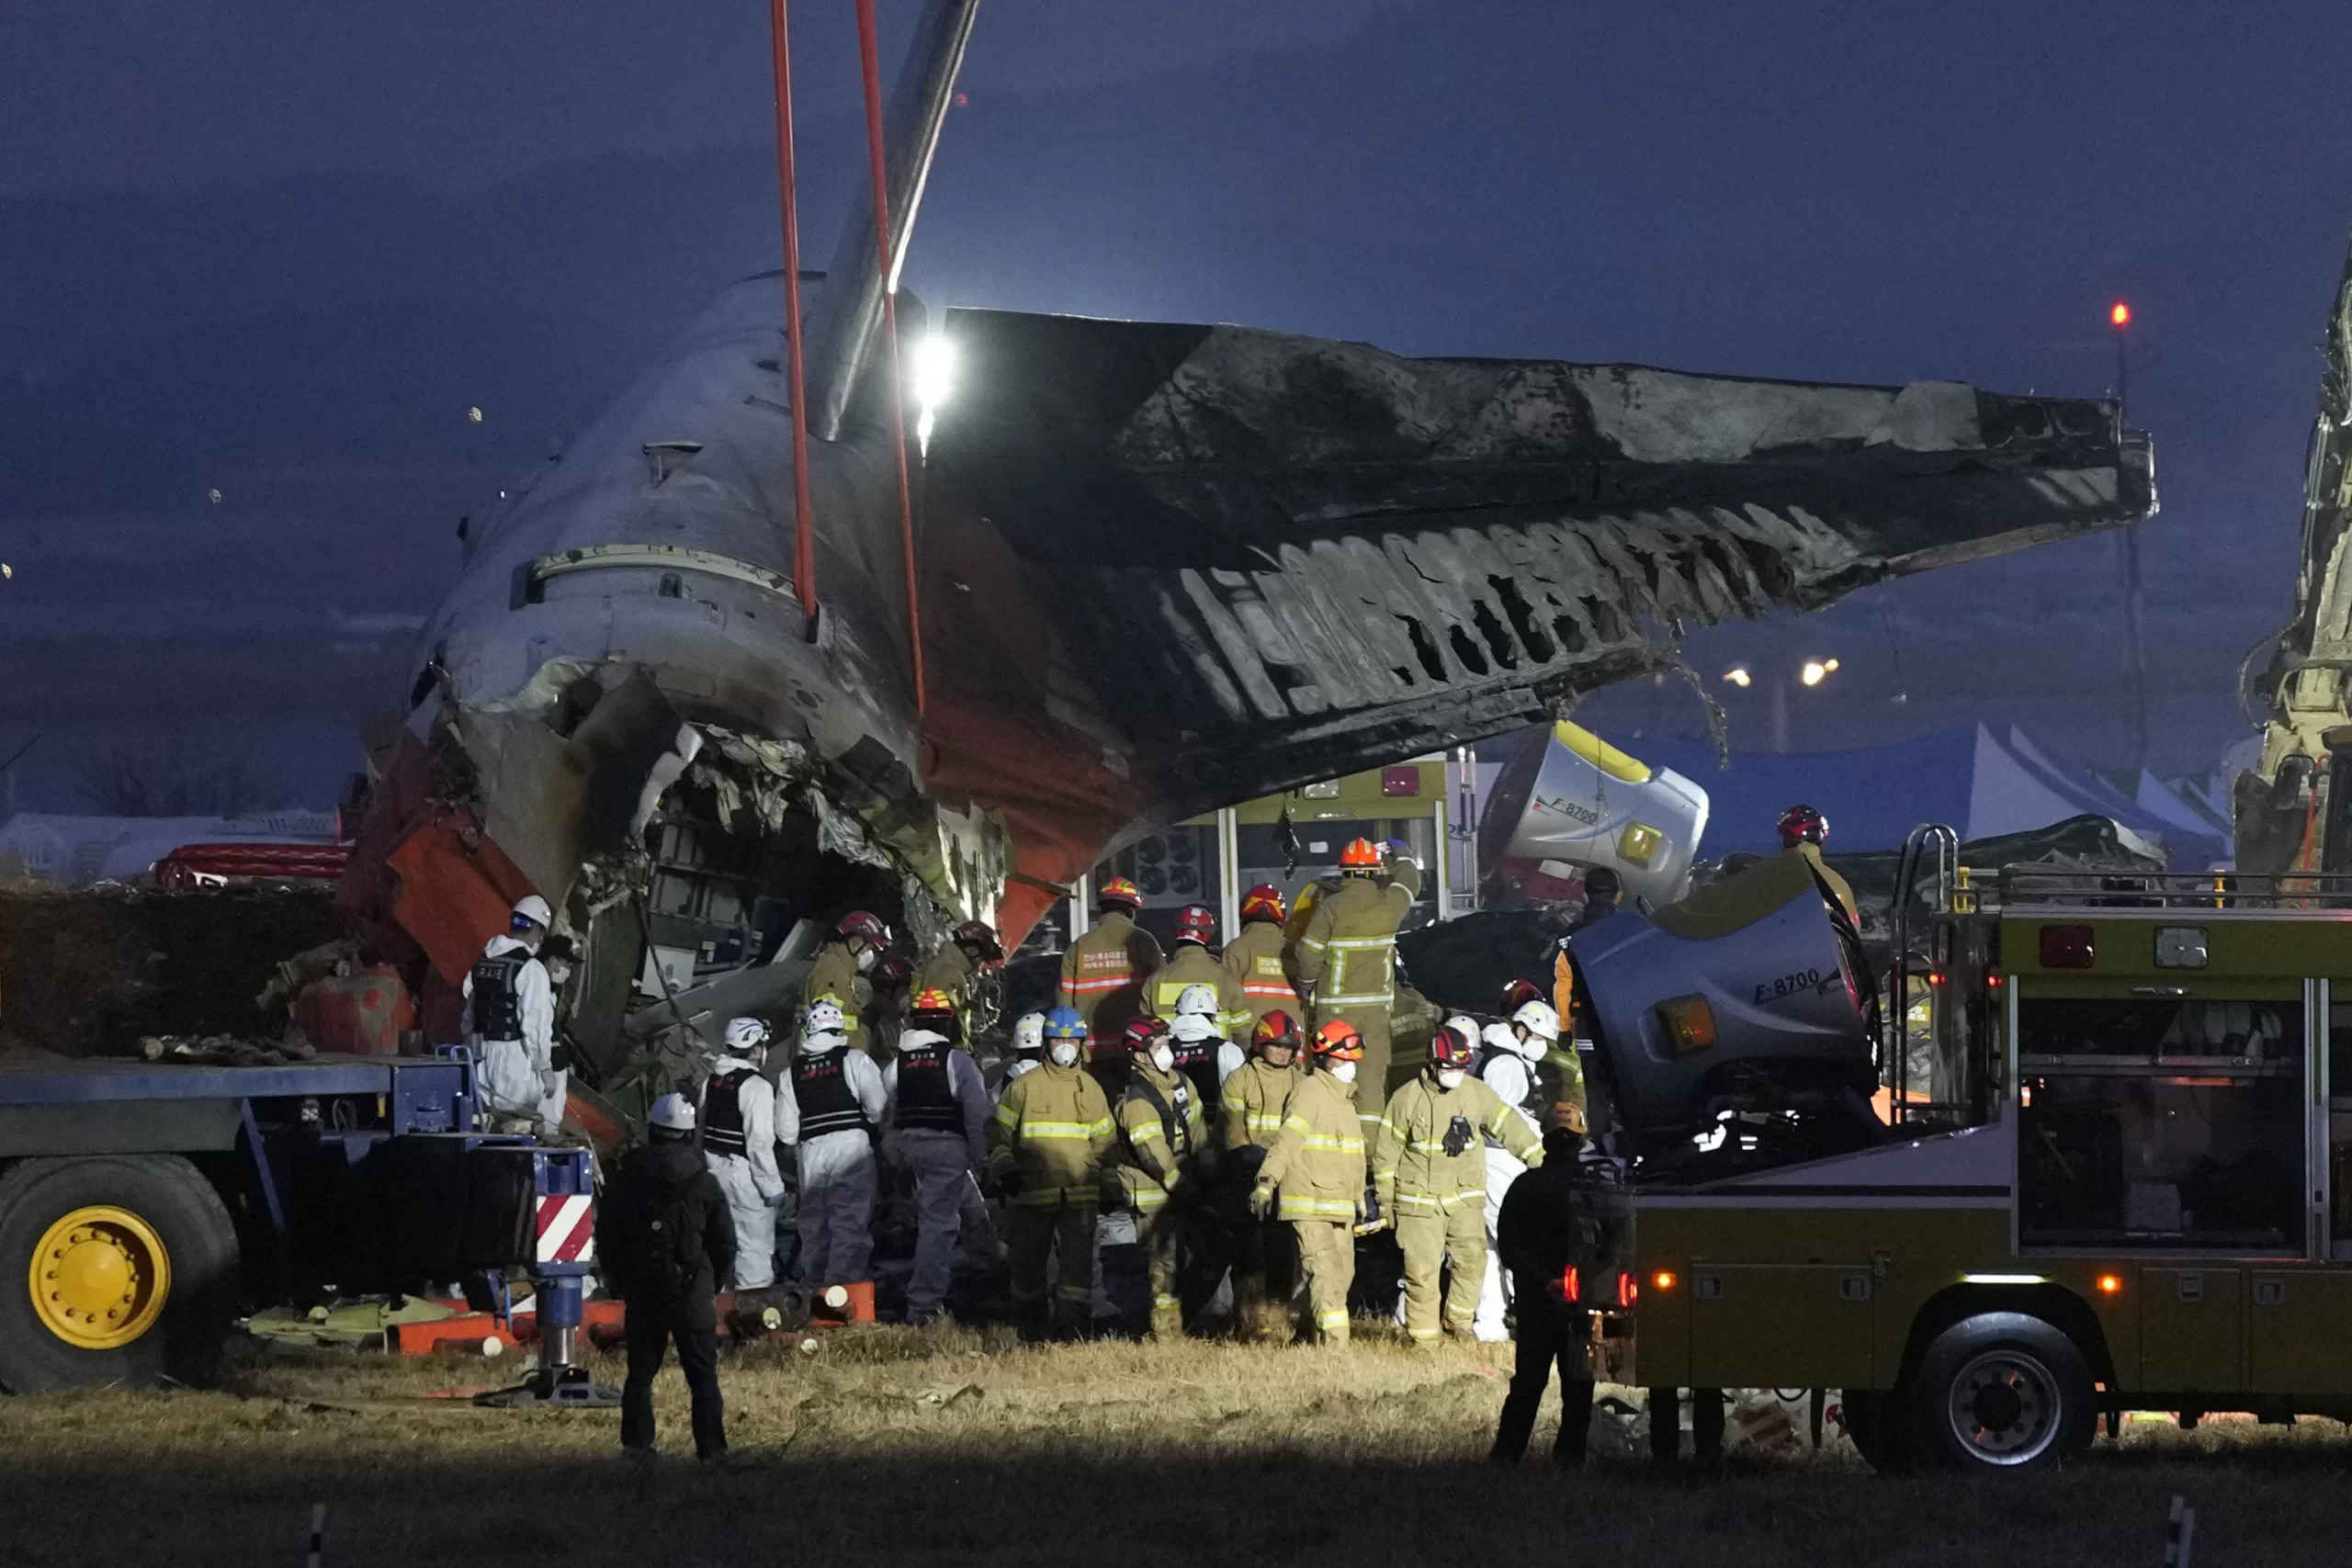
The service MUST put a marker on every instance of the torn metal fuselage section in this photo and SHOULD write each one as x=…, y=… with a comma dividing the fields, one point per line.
x=1181, y=566
x=2290, y=814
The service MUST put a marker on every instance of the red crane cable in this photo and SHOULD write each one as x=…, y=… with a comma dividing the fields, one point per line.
x=869, y=56
x=804, y=521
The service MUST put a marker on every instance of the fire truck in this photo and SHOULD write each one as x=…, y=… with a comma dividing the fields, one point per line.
x=2108, y=1173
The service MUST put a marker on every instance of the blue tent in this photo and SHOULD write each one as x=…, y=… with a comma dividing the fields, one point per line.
x=1980, y=783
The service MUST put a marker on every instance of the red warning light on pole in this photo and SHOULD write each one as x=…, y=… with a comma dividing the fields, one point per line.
x=2121, y=314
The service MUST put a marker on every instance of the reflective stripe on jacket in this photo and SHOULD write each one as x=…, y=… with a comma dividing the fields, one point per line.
x=1054, y=1128
x=1111, y=957
x=1318, y=1163
x=1411, y=1172
x=1255, y=960
x=1257, y=1100
x=1192, y=966
x=1150, y=1170
x=1347, y=955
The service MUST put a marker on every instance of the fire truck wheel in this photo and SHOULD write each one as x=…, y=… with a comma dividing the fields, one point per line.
x=2001, y=1390
x=114, y=1268
x=1875, y=1423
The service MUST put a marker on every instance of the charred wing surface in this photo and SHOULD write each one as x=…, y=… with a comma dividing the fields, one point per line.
x=2303, y=686
x=1301, y=556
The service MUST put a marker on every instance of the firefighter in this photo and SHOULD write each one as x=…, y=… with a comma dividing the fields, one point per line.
x=1204, y=1053
x=510, y=1018
x=666, y=1244
x=1254, y=957
x=1803, y=832
x=956, y=969
x=738, y=1140
x=1428, y=1174
x=1257, y=1102
x=1537, y=1238
x=939, y=1114
x=1192, y=964
x=1346, y=957
x=1508, y=1057
x=1048, y=1142
x=1313, y=1177
x=1109, y=965
x=1163, y=1163
x=830, y=1108
x=843, y=971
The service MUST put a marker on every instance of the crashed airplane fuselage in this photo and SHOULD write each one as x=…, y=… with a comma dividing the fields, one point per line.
x=1159, y=567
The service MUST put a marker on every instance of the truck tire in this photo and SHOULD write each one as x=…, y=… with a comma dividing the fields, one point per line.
x=2002, y=1390
x=114, y=1268
x=1878, y=1425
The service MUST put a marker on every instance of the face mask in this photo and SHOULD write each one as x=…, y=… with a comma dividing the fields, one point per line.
x=1345, y=1072
x=1064, y=1054
x=1532, y=1048
x=557, y=975
x=1448, y=1077
x=1163, y=1058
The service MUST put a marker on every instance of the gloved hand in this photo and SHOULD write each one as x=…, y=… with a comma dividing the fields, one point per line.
x=559, y=1059
x=774, y=1202
x=1009, y=1184
x=1571, y=1116
x=1261, y=1200
x=1374, y=1225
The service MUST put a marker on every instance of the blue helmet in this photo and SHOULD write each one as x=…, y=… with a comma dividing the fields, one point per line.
x=1065, y=1024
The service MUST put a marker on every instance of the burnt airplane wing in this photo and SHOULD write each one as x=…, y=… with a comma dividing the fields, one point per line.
x=1169, y=567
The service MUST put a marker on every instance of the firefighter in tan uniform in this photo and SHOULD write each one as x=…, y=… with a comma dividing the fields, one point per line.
x=1164, y=1149
x=1048, y=1142
x=1313, y=1178
x=1189, y=965
x=1108, y=966
x=841, y=969
x=1257, y=957
x=1257, y=1103
x=1346, y=958
x=1429, y=1173
x=955, y=969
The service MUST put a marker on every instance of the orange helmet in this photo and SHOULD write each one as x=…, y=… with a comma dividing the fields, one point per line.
x=1277, y=1028
x=1362, y=854
x=932, y=1002
x=1119, y=890
x=1264, y=902
x=1338, y=1041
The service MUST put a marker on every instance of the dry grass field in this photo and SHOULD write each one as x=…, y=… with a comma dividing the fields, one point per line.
x=945, y=1445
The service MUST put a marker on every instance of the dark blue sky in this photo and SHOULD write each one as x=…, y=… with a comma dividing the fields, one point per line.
x=279, y=249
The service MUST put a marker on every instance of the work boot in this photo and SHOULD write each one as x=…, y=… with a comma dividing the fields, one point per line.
x=1029, y=1321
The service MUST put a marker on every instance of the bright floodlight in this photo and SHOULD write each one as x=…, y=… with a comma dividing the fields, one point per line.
x=2120, y=315
x=1813, y=672
x=1739, y=676
x=934, y=379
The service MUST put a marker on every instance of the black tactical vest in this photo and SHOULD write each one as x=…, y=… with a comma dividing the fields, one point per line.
x=821, y=1088
x=722, y=1113
x=497, y=999
x=926, y=1092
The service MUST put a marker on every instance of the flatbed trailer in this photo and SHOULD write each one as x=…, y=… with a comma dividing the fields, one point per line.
x=144, y=1206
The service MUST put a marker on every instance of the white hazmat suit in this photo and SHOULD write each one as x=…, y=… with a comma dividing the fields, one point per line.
x=753, y=1186
x=519, y=1076
x=1510, y=1072
x=830, y=1107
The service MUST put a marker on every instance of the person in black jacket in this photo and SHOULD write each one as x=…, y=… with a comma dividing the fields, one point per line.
x=1537, y=1233
x=668, y=1242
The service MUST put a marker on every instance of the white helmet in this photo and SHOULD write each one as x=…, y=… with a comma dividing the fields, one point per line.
x=1197, y=1015
x=822, y=1028
x=1029, y=1035
x=672, y=1113
x=532, y=907
x=746, y=1034
x=1543, y=1026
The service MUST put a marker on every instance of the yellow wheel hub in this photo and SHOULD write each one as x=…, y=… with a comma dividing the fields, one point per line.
x=100, y=1278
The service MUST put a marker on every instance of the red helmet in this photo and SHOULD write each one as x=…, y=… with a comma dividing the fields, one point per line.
x=1264, y=902
x=1362, y=854
x=1518, y=994
x=893, y=972
x=1119, y=890
x=1802, y=825
x=1196, y=922
x=1277, y=1028
x=980, y=936
x=861, y=926
x=1339, y=1039
x=1454, y=1045
x=1143, y=1032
